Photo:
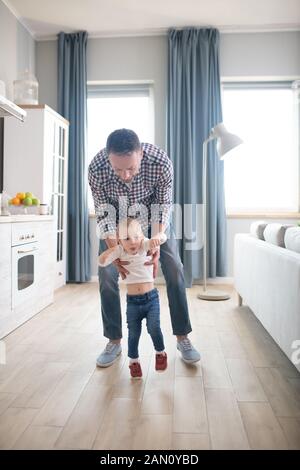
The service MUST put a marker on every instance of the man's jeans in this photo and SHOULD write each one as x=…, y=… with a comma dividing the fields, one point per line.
x=172, y=269
x=140, y=307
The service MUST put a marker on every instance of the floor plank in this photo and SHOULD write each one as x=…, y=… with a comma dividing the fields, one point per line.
x=284, y=400
x=262, y=427
x=85, y=420
x=246, y=384
x=189, y=406
x=60, y=404
x=13, y=422
x=38, y=438
x=153, y=432
x=119, y=424
x=191, y=441
x=215, y=372
x=6, y=399
x=225, y=423
x=291, y=428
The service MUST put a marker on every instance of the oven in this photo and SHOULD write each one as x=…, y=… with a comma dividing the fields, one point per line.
x=24, y=262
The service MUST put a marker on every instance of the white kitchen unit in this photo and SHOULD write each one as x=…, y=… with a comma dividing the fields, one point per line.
x=5, y=275
x=27, y=268
x=36, y=160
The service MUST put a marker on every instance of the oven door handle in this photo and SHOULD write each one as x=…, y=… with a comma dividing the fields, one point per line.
x=27, y=251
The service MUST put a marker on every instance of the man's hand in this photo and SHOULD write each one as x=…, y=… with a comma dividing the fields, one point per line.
x=111, y=240
x=154, y=260
x=153, y=243
x=120, y=265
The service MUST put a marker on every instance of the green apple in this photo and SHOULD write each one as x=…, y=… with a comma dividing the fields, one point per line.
x=27, y=201
x=30, y=195
x=35, y=201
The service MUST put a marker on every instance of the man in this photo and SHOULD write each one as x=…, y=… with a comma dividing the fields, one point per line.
x=128, y=174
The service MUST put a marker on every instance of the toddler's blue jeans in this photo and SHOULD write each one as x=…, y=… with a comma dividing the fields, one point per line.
x=140, y=307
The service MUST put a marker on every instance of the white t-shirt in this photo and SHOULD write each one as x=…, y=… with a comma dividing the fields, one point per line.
x=138, y=272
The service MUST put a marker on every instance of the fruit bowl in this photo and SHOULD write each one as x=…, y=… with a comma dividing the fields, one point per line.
x=24, y=203
x=22, y=210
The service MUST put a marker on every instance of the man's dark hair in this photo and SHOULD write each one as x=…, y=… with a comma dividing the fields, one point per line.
x=122, y=142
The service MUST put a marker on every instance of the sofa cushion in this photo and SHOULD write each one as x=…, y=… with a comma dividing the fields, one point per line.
x=274, y=233
x=292, y=239
x=257, y=229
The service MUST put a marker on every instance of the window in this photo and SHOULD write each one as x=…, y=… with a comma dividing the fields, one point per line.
x=113, y=107
x=263, y=173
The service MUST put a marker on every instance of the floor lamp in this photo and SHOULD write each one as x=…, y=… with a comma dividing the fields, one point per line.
x=225, y=142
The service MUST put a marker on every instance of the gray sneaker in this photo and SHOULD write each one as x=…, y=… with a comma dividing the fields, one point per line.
x=110, y=354
x=188, y=353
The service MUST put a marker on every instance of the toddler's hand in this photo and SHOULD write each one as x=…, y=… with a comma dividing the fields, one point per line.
x=154, y=243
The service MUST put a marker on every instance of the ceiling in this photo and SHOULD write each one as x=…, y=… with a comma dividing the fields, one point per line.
x=45, y=18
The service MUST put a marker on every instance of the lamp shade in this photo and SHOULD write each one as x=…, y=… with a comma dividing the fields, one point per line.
x=225, y=140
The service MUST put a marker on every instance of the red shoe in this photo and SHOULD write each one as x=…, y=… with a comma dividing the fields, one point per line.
x=136, y=370
x=161, y=361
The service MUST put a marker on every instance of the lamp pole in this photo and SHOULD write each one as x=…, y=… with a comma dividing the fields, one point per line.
x=204, y=197
x=227, y=142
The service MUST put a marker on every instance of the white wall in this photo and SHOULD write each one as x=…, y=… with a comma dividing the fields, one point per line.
x=17, y=49
x=260, y=54
x=46, y=72
x=137, y=58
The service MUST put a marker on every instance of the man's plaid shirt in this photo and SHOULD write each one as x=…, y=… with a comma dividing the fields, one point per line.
x=151, y=186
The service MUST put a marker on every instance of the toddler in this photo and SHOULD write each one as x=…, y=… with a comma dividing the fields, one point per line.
x=142, y=297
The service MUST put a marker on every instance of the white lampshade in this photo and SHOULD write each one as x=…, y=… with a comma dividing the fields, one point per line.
x=225, y=140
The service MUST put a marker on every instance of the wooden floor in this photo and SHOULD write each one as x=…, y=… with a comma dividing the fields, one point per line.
x=244, y=393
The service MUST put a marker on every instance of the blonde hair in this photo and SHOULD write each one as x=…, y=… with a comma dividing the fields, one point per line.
x=129, y=227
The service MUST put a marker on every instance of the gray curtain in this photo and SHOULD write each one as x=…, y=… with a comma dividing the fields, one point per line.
x=72, y=104
x=194, y=107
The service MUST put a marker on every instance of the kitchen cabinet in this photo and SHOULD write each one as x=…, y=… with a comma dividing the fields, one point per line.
x=5, y=275
x=27, y=268
x=36, y=160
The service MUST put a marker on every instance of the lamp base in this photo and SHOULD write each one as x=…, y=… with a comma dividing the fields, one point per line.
x=212, y=294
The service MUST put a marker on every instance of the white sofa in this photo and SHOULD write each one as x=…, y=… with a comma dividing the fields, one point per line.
x=267, y=279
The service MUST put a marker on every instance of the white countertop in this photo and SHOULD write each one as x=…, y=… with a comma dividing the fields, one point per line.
x=5, y=219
